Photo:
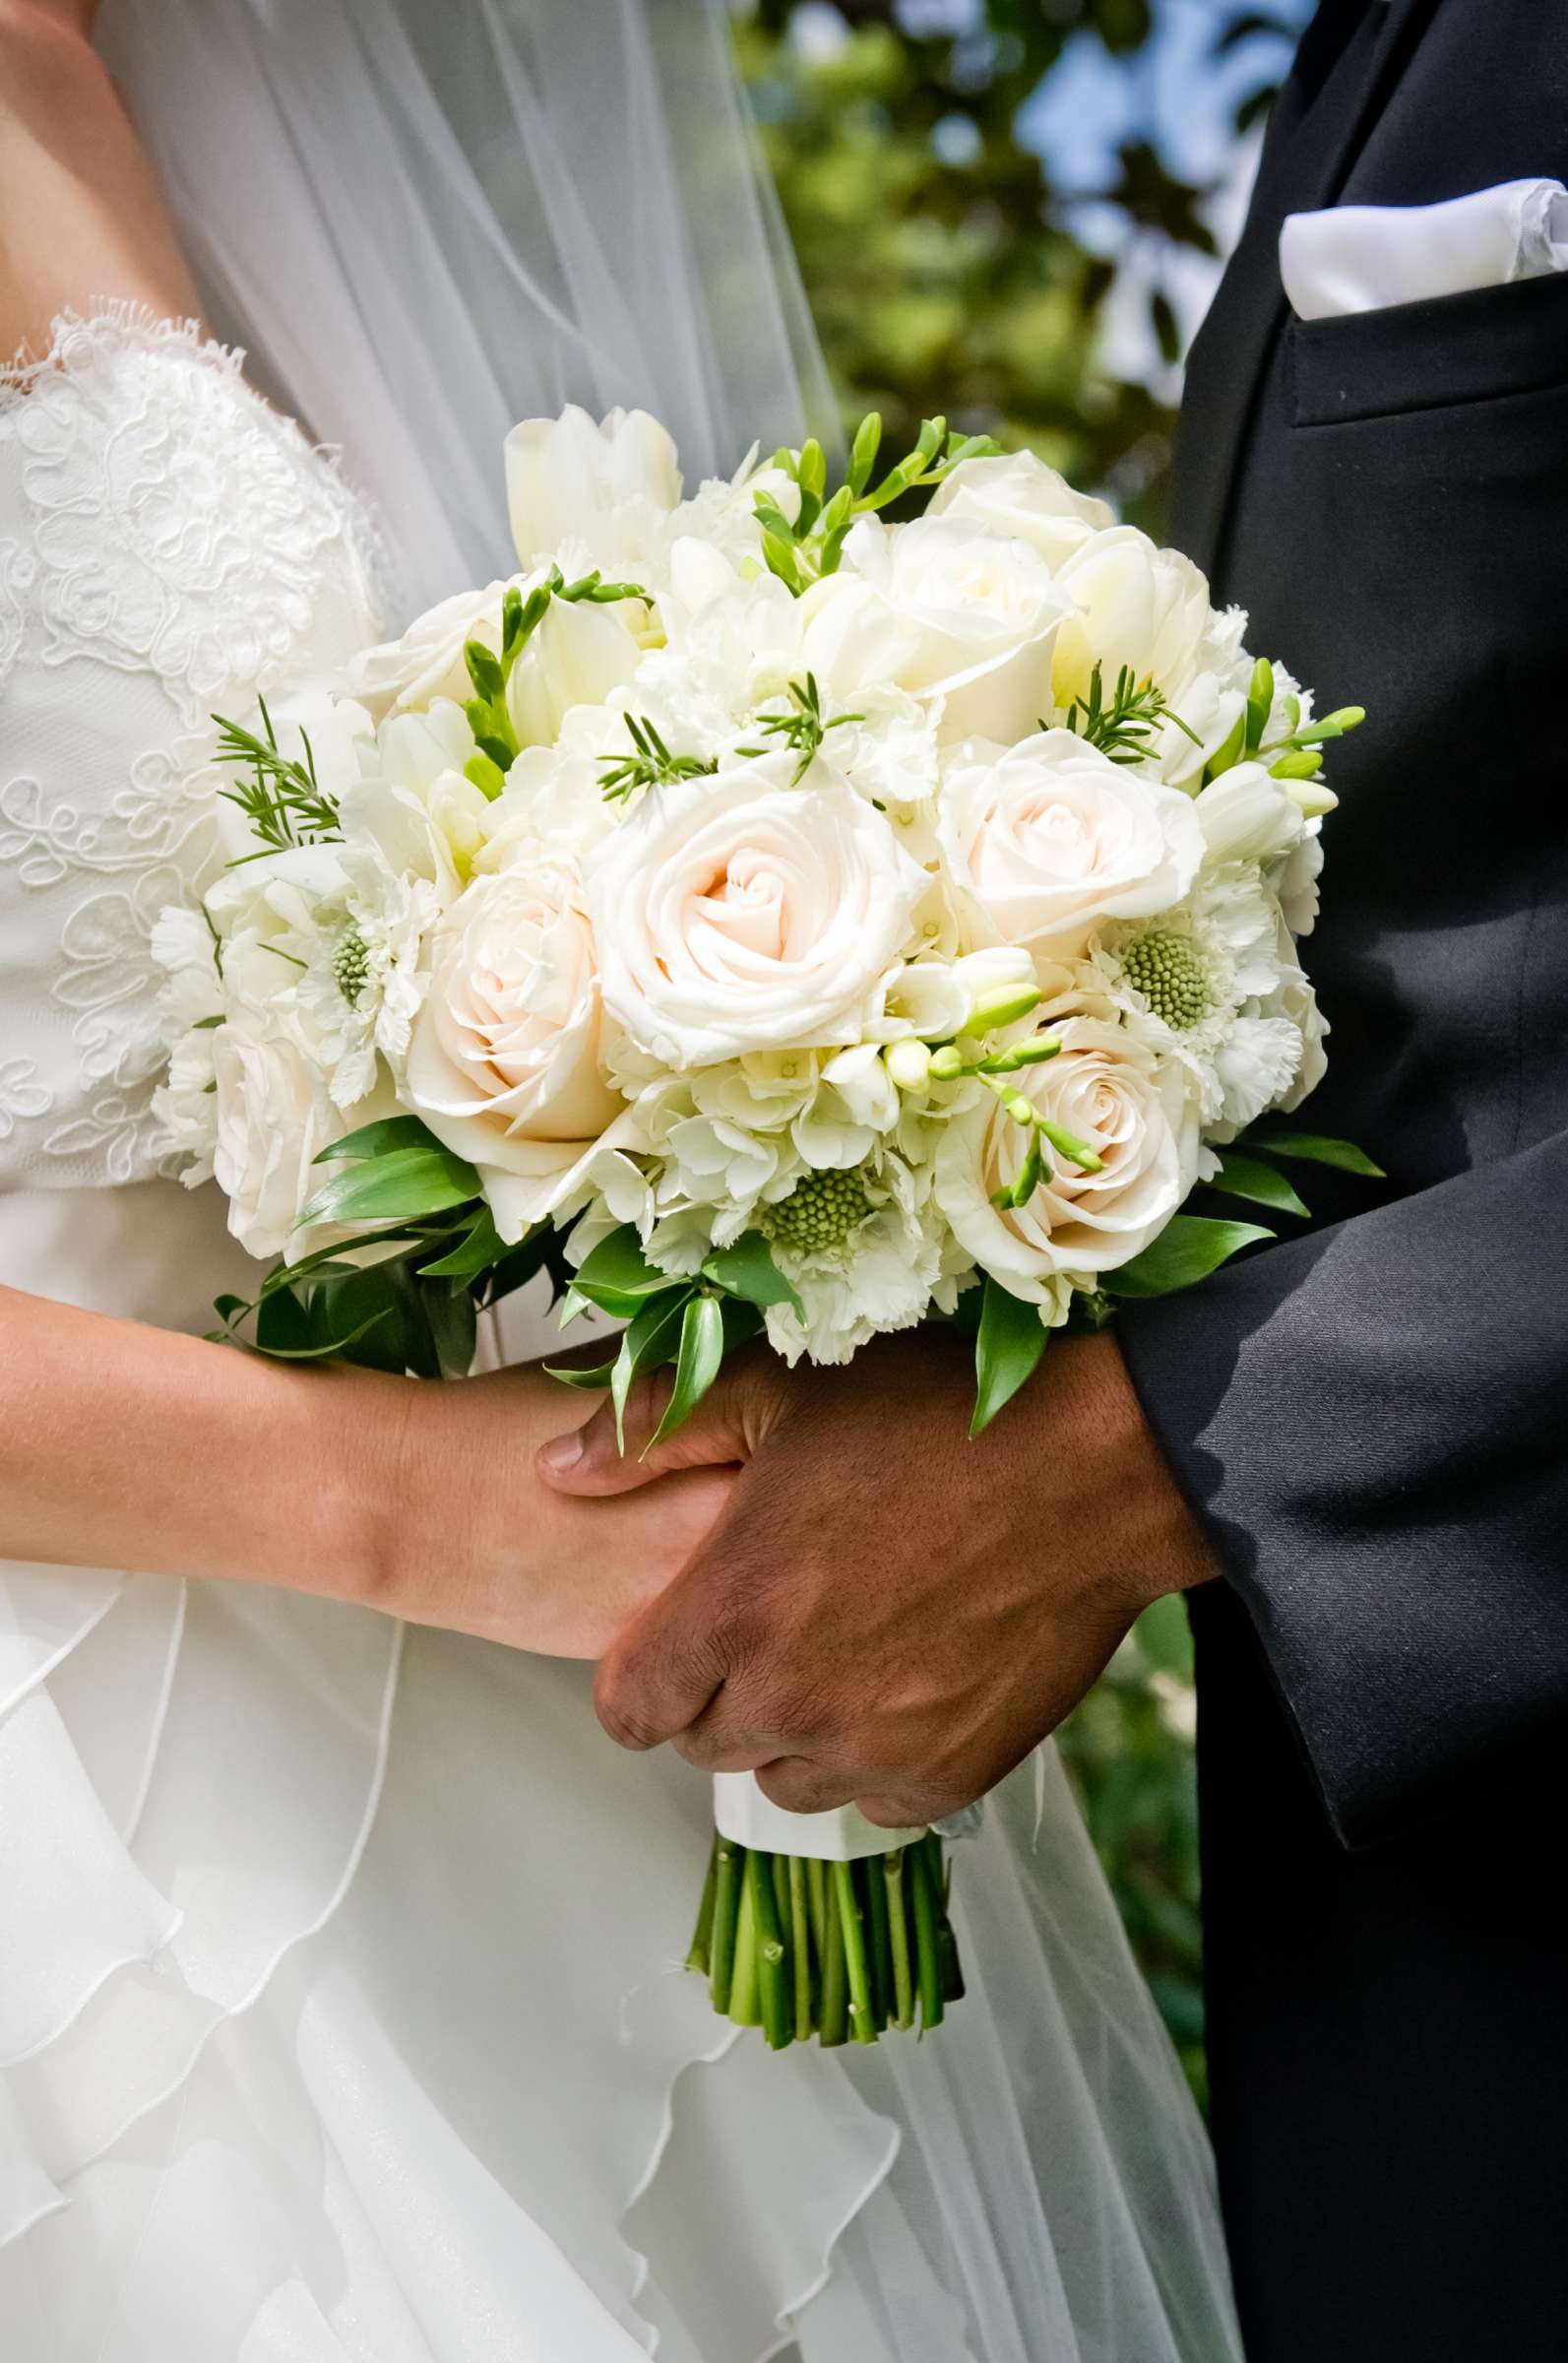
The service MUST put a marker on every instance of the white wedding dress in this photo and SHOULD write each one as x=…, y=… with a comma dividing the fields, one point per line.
x=339, y=2013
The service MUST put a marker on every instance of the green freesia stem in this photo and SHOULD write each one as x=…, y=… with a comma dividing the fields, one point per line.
x=834, y=1985
x=727, y=1863
x=743, y=1985
x=698, y=1957
x=928, y=1967
x=897, y=1884
x=854, y=1928
x=880, y=1948
x=772, y=1996
x=800, y=1948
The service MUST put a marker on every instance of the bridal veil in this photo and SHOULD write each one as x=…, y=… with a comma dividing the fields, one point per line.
x=428, y=218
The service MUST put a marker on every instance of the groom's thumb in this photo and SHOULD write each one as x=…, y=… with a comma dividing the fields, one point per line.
x=727, y=1424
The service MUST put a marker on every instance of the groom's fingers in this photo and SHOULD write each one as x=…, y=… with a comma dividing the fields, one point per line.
x=664, y=1672
x=727, y=1424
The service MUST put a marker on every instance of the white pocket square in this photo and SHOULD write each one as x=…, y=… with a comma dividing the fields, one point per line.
x=1363, y=258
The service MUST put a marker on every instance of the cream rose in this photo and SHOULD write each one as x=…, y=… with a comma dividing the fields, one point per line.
x=963, y=617
x=1019, y=494
x=1115, y=1097
x=738, y=913
x=504, y=1063
x=611, y=487
x=1053, y=839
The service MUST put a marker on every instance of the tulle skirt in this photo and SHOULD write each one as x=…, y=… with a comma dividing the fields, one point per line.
x=341, y=2014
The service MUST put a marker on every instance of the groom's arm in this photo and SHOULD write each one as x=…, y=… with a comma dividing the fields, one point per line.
x=1372, y=1425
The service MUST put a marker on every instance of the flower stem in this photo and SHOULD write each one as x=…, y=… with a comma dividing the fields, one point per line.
x=800, y=1947
x=880, y=1947
x=947, y=1950
x=850, y=1920
x=772, y=1991
x=726, y=1902
x=835, y=1991
x=743, y=1986
x=898, y=1937
x=928, y=1970
x=699, y=1957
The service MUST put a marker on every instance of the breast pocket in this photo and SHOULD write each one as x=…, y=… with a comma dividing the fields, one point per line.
x=1478, y=347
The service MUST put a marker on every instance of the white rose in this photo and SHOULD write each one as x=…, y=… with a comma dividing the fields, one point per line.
x=504, y=1062
x=1138, y=605
x=946, y=610
x=1121, y=1103
x=737, y=912
x=611, y=487
x=407, y=675
x=273, y=1115
x=1053, y=839
x=1019, y=494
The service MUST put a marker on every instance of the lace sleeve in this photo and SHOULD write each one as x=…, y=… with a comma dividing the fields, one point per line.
x=168, y=546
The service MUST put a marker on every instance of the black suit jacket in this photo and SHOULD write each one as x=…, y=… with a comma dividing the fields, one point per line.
x=1372, y=1420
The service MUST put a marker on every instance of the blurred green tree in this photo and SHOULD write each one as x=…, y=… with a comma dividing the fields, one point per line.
x=945, y=276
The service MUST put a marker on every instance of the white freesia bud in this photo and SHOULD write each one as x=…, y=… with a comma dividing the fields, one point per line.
x=578, y=655
x=504, y=1063
x=611, y=487
x=1249, y=815
x=1313, y=797
x=963, y=617
x=908, y=1062
x=739, y=913
x=1053, y=839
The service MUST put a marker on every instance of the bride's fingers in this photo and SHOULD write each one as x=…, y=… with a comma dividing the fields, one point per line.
x=728, y=1426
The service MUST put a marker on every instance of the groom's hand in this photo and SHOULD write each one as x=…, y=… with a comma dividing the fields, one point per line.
x=886, y=1611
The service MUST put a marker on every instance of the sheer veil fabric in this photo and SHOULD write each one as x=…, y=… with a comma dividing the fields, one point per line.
x=426, y=221
x=340, y=2015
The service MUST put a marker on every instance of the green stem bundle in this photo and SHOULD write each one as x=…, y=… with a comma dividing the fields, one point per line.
x=837, y=1951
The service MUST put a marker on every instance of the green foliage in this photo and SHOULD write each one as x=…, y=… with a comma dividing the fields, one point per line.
x=282, y=799
x=1122, y=725
x=940, y=267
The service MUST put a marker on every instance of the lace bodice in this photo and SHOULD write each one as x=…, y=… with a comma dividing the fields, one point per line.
x=169, y=546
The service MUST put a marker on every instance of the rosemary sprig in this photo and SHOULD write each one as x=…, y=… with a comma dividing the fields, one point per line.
x=1123, y=726
x=284, y=801
x=805, y=729
x=652, y=766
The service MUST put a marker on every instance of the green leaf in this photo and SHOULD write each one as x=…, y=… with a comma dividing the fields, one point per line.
x=394, y=1188
x=476, y=1251
x=1227, y=756
x=1249, y=1178
x=592, y=1380
x=453, y=1325
x=1316, y=1149
x=652, y=1339
x=696, y=1365
x=374, y=1140
x=1260, y=702
x=748, y=1270
x=282, y=1324
x=1189, y=1248
x=617, y=1277
x=1008, y=1346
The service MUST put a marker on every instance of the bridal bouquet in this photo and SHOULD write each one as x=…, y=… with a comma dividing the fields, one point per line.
x=774, y=921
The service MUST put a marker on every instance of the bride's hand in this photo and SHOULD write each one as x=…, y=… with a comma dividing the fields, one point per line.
x=465, y=1535
x=127, y=1446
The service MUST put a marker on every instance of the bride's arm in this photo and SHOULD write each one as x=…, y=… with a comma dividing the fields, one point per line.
x=80, y=214
x=126, y=1446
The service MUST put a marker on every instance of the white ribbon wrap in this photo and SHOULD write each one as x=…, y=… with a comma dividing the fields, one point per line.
x=748, y=1819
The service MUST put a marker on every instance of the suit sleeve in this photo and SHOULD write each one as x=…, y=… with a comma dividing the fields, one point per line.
x=1372, y=1423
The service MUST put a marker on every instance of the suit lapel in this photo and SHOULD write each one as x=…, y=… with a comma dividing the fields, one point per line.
x=1307, y=158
